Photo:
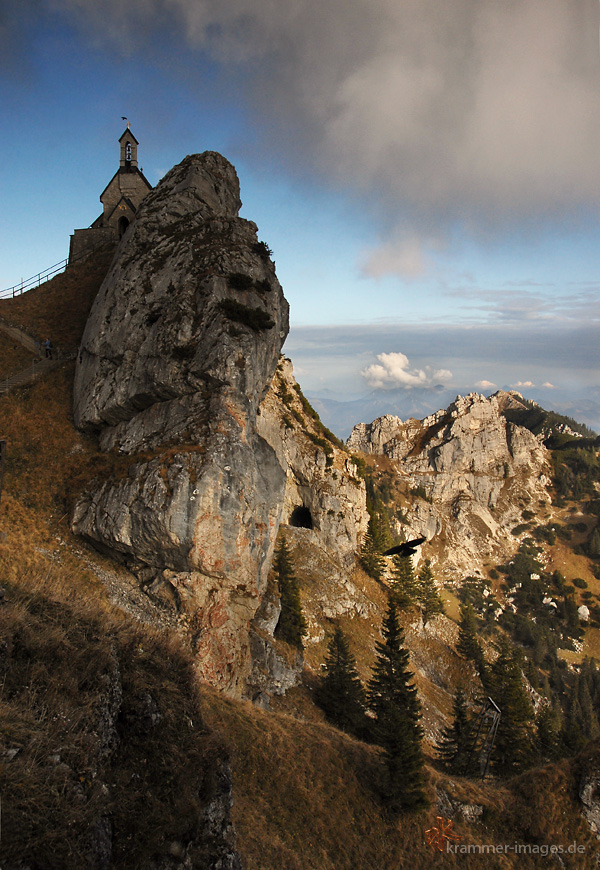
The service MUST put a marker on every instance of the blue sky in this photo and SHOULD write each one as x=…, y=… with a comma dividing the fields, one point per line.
x=427, y=175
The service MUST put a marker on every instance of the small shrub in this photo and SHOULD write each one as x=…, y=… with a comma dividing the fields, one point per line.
x=579, y=527
x=240, y=281
x=361, y=465
x=257, y=319
x=523, y=527
x=263, y=250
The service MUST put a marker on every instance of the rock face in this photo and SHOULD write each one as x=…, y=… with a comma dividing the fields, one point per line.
x=322, y=491
x=589, y=792
x=323, y=519
x=474, y=471
x=179, y=350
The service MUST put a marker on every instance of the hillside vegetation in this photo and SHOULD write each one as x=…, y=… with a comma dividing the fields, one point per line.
x=59, y=308
x=112, y=754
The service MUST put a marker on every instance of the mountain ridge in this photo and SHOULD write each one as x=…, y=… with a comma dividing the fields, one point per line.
x=505, y=520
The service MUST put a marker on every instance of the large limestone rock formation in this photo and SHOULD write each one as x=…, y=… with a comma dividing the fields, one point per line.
x=324, y=510
x=323, y=492
x=179, y=350
x=475, y=470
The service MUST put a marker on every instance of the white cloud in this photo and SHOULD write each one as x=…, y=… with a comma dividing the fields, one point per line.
x=549, y=386
x=520, y=384
x=485, y=385
x=393, y=371
x=474, y=112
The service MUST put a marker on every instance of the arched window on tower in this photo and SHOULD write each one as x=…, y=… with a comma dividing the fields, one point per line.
x=128, y=152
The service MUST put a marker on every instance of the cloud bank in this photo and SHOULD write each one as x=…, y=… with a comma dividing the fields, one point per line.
x=477, y=111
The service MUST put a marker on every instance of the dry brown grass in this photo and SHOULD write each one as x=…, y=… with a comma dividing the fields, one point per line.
x=44, y=450
x=13, y=357
x=59, y=308
x=306, y=795
x=306, y=798
x=74, y=748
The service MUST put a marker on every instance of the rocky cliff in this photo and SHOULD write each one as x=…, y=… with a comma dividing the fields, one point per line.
x=471, y=471
x=211, y=447
x=180, y=347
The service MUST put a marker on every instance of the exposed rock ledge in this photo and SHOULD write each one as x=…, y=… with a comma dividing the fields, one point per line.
x=213, y=443
x=475, y=470
x=180, y=347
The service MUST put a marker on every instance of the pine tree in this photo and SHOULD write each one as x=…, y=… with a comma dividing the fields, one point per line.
x=593, y=545
x=403, y=582
x=469, y=644
x=393, y=700
x=429, y=597
x=455, y=740
x=589, y=720
x=572, y=737
x=514, y=746
x=371, y=559
x=291, y=625
x=547, y=724
x=340, y=693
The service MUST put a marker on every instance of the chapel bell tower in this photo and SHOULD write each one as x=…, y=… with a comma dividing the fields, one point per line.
x=129, y=146
x=120, y=200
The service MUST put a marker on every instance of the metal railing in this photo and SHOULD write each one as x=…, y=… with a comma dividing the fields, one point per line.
x=21, y=376
x=46, y=274
x=35, y=281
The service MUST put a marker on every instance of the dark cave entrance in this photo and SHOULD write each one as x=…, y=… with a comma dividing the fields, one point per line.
x=301, y=518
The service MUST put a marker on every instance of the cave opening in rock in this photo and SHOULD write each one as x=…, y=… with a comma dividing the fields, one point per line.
x=301, y=518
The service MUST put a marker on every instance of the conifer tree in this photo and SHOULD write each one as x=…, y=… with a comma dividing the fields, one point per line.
x=403, y=582
x=572, y=737
x=429, y=597
x=547, y=724
x=593, y=545
x=340, y=693
x=291, y=625
x=455, y=740
x=469, y=644
x=589, y=720
x=514, y=746
x=392, y=698
x=371, y=559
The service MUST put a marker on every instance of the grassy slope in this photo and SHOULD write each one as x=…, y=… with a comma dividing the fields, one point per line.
x=59, y=308
x=75, y=749
x=306, y=796
x=13, y=357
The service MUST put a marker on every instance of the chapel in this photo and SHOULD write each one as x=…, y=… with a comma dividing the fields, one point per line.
x=120, y=200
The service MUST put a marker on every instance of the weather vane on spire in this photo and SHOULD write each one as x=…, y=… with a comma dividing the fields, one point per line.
x=123, y=118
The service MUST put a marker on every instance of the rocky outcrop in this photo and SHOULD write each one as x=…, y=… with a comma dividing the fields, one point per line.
x=471, y=471
x=323, y=491
x=324, y=517
x=179, y=350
